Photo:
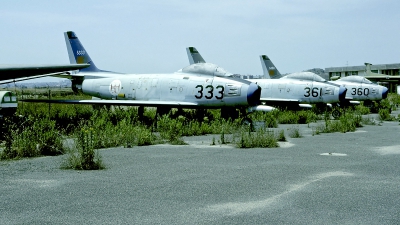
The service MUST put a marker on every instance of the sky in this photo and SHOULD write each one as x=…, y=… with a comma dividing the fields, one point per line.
x=135, y=36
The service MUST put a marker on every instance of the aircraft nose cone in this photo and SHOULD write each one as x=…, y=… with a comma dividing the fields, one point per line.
x=253, y=94
x=342, y=93
x=385, y=92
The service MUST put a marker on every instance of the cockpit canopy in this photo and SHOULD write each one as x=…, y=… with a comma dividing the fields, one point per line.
x=356, y=79
x=206, y=68
x=305, y=76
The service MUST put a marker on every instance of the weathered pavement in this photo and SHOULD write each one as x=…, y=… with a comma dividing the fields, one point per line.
x=350, y=178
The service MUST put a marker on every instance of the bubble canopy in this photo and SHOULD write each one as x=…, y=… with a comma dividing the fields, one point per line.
x=356, y=79
x=305, y=76
x=206, y=68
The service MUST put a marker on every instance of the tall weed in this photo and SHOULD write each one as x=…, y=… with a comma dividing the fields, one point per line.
x=262, y=138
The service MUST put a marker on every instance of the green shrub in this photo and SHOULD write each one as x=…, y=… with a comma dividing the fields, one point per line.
x=281, y=136
x=394, y=100
x=32, y=137
x=288, y=117
x=262, y=138
x=384, y=115
x=294, y=132
x=268, y=117
x=347, y=122
x=363, y=110
x=84, y=156
x=171, y=129
x=297, y=117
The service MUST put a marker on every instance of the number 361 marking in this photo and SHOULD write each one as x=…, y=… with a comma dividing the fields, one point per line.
x=315, y=92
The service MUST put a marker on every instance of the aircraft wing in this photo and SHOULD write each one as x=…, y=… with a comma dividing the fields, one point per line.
x=31, y=77
x=117, y=102
x=11, y=72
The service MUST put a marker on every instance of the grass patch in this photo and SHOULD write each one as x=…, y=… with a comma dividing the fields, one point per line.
x=262, y=138
x=281, y=136
x=84, y=156
x=31, y=138
x=384, y=115
x=294, y=132
x=363, y=110
x=347, y=122
x=296, y=117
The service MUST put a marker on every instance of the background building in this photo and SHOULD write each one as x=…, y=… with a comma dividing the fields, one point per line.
x=389, y=75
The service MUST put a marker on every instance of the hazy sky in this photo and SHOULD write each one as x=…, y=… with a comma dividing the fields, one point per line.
x=135, y=36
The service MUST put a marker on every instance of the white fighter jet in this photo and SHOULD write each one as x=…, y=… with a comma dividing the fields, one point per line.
x=194, y=86
x=291, y=93
x=359, y=88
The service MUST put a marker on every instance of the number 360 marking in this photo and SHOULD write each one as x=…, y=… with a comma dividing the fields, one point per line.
x=209, y=92
x=360, y=91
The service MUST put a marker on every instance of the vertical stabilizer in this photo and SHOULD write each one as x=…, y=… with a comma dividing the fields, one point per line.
x=77, y=53
x=194, y=56
x=368, y=69
x=269, y=69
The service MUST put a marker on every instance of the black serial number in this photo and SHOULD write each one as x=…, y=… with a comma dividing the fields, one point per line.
x=314, y=92
x=208, y=92
x=360, y=91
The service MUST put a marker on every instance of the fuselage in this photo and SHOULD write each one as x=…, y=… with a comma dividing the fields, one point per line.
x=361, y=89
x=204, y=90
x=304, y=91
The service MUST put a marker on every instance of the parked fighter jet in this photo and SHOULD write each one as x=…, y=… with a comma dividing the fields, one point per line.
x=191, y=87
x=358, y=88
x=288, y=93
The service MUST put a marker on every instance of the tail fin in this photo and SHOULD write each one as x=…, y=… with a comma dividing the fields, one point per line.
x=77, y=53
x=269, y=69
x=194, y=56
x=368, y=69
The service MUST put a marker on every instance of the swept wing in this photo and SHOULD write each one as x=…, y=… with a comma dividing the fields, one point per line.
x=14, y=73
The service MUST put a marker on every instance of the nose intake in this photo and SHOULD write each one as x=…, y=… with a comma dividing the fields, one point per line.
x=342, y=93
x=385, y=92
x=253, y=94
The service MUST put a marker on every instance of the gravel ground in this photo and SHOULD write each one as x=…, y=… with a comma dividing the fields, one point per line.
x=338, y=178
